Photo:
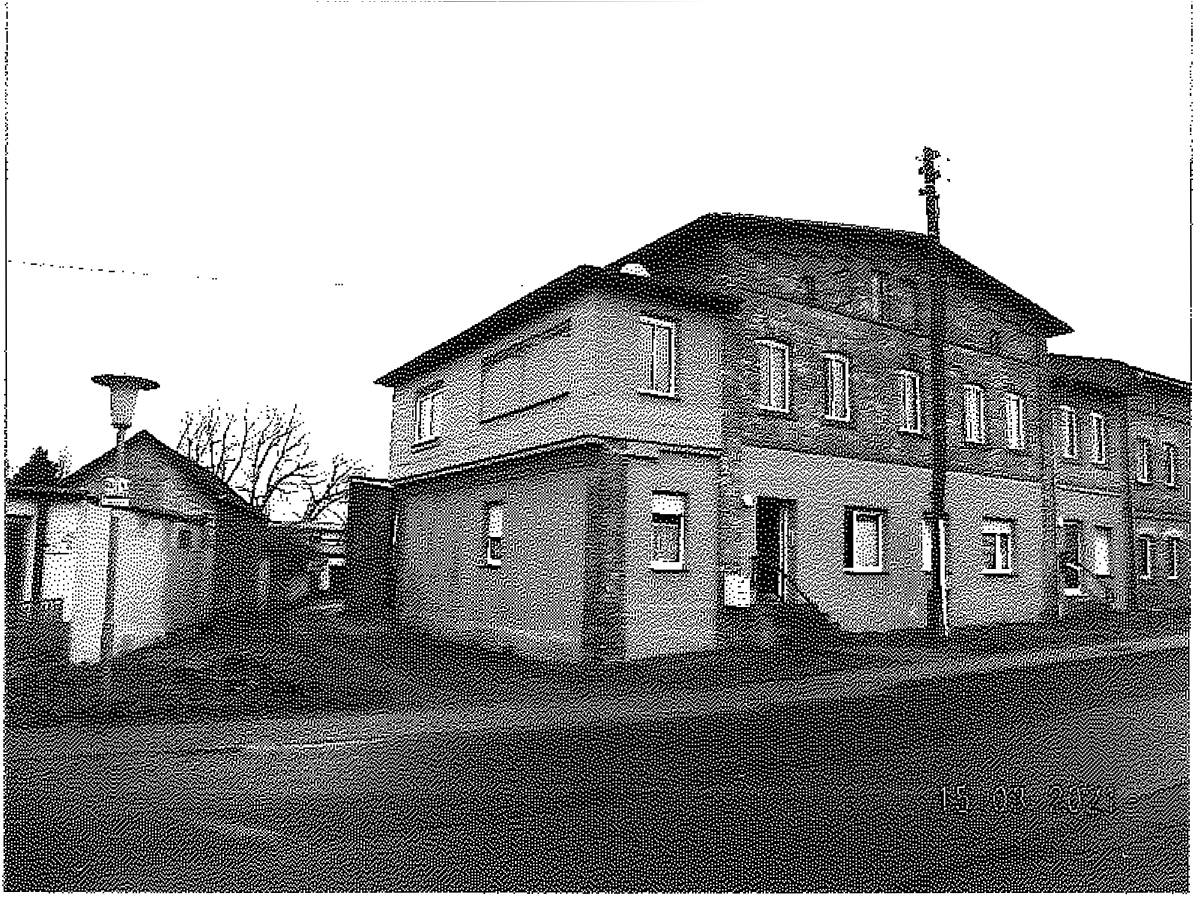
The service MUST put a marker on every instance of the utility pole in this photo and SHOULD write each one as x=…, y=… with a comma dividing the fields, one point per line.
x=936, y=601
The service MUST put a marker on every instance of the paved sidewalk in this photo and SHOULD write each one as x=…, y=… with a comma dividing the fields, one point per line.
x=896, y=666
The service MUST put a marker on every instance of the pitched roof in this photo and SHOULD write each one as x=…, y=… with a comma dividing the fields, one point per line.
x=562, y=289
x=200, y=477
x=1110, y=374
x=715, y=225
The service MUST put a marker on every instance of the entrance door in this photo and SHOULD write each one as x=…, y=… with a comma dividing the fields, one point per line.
x=771, y=549
x=1072, y=552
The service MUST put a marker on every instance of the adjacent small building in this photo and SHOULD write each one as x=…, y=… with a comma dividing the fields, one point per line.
x=676, y=450
x=189, y=549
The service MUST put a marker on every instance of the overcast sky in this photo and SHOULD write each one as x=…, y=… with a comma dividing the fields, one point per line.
x=295, y=198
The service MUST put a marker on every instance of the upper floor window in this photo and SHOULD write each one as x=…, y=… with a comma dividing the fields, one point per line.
x=973, y=420
x=774, y=375
x=910, y=402
x=1172, y=558
x=666, y=521
x=1014, y=421
x=1169, y=464
x=427, y=414
x=494, y=541
x=837, y=387
x=1143, y=460
x=880, y=291
x=1070, y=432
x=658, y=356
x=1099, y=438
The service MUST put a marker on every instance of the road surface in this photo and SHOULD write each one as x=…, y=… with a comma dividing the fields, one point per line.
x=1063, y=777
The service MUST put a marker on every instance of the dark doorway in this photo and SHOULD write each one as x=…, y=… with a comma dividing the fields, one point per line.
x=772, y=569
x=1071, y=553
x=16, y=535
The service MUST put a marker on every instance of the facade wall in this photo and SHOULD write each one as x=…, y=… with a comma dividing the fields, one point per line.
x=534, y=601
x=671, y=611
x=599, y=395
x=823, y=487
x=1160, y=414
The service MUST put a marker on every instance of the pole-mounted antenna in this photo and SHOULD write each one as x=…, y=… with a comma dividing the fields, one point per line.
x=930, y=173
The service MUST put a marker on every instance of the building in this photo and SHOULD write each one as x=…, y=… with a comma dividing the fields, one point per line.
x=188, y=548
x=1122, y=483
x=674, y=451
x=304, y=557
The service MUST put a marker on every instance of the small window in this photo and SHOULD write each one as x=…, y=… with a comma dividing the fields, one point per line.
x=997, y=546
x=1146, y=557
x=185, y=539
x=1014, y=421
x=658, y=356
x=1172, y=558
x=1102, y=558
x=494, y=542
x=910, y=402
x=666, y=522
x=864, y=540
x=774, y=376
x=427, y=415
x=837, y=388
x=1070, y=432
x=1143, y=461
x=880, y=291
x=1169, y=464
x=973, y=421
x=1099, y=439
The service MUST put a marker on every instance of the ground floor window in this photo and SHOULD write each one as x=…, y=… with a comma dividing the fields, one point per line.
x=495, y=535
x=926, y=545
x=1173, y=558
x=1146, y=557
x=997, y=546
x=666, y=522
x=864, y=540
x=1103, y=552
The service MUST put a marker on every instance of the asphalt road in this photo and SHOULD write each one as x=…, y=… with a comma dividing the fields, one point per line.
x=1065, y=777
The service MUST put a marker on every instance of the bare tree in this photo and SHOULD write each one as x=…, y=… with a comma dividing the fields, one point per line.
x=326, y=496
x=265, y=456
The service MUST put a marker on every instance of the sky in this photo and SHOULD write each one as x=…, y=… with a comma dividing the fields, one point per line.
x=276, y=203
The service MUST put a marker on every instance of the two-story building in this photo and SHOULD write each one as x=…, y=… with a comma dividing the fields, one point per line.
x=1122, y=483
x=660, y=455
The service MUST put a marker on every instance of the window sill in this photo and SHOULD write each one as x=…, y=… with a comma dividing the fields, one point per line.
x=978, y=444
x=667, y=567
x=864, y=571
x=491, y=566
x=773, y=412
x=846, y=423
x=418, y=445
x=658, y=393
x=905, y=432
x=996, y=573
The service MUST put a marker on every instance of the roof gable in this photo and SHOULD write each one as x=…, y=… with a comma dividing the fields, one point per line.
x=713, y=227
x=198, y=476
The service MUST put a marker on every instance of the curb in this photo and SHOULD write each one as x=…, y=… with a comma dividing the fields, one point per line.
x=341, y=731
